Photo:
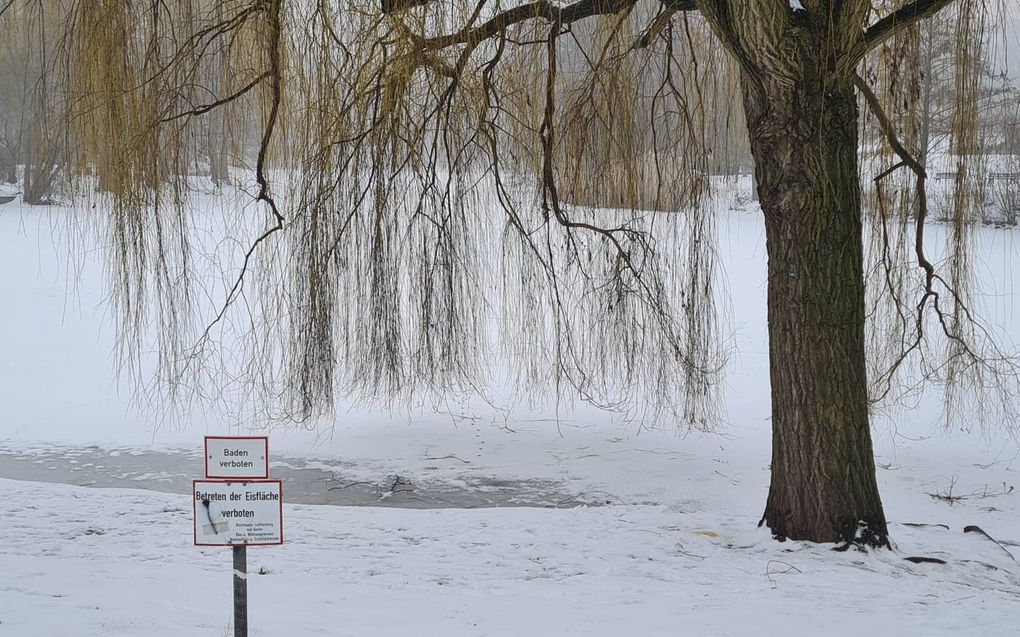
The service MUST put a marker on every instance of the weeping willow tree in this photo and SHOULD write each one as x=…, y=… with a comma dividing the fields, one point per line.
x=446, y=185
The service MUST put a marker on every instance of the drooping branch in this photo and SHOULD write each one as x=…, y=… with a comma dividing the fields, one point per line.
x=716, y=11
x=397, y=143
x=903, y=18
x=576, y=239
x=275, y=77
x=544, y=9
x=393, y=6
x=931, y=277
x=908, y=160
x=205, y=108
x=661, y=19
x=654, y=28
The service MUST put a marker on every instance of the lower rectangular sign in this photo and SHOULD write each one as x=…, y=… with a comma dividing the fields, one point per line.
x=238, y=513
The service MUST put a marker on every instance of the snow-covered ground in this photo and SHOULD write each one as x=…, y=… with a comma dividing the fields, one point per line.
x=120, y=562
x=666, y=544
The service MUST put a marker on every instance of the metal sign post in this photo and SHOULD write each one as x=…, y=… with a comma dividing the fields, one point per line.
x=240, y=591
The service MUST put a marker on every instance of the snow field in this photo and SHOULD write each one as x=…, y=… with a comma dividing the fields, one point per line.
x=120, y=562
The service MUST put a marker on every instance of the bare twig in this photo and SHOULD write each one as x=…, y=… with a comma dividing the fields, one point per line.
x=447, y=457
x=347, y=486
x=951, y=498
x=205, y=108
x=769, y=571
x=977, y=529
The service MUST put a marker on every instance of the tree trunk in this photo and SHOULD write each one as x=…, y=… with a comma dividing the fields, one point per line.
x=804, y=141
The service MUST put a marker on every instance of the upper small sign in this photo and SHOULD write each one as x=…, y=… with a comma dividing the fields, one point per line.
x=236, y=457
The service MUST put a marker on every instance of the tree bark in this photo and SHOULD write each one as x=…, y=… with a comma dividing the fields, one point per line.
x=804, y=140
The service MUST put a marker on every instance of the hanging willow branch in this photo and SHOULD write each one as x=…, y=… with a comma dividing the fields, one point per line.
x=447, y=184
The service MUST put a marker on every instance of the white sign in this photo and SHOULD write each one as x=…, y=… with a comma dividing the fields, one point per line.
x=238, y=513
x=231, y=457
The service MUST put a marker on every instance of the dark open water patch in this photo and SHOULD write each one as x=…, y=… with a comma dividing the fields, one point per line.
x=327, y=482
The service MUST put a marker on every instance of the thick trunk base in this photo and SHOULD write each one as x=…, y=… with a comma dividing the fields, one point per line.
x=804, y=139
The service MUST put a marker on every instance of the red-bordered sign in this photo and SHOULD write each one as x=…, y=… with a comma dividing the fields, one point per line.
x=237, y=457
x=237, y=512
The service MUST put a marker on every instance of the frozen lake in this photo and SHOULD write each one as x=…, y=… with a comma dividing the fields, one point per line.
x=319, y=482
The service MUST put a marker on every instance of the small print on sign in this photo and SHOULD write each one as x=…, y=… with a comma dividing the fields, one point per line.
x=228, y=457
x=238, y=513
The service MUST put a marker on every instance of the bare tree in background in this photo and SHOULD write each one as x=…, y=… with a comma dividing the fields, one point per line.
x=30, y=100
x=436, y=164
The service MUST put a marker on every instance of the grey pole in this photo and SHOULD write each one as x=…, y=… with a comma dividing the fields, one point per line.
x=240, y=591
